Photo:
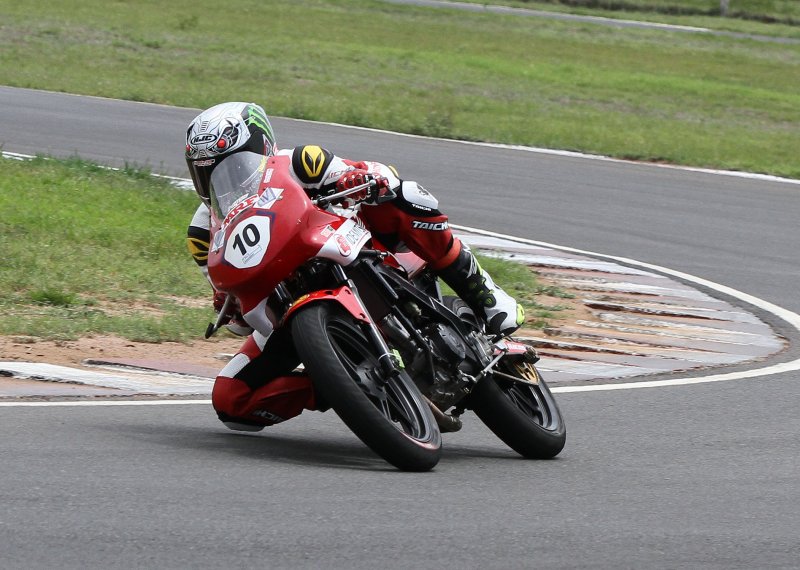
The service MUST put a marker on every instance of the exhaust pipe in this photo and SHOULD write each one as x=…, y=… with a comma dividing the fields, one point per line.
x=446, y=422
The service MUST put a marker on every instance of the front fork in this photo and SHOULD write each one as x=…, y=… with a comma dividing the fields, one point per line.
x=346, y=295
x=386, y=359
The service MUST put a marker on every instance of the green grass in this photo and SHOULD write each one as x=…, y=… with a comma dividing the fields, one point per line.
x=691, y=99
x=87, y=250
x=523, y=284
x=92, y=251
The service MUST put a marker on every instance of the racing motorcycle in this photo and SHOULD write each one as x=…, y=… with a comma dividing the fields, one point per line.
x=398, y=362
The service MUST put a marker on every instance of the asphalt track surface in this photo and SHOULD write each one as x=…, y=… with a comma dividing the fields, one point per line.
x=698, y=476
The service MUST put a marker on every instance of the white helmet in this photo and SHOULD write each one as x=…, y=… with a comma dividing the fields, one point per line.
x=223, y=130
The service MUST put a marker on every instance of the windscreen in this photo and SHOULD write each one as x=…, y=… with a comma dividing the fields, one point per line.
x=239, y=175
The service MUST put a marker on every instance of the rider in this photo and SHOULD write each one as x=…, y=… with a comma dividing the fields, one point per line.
x=253, y=390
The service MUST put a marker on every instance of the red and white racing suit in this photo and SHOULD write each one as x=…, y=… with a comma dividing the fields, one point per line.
x=257, y=387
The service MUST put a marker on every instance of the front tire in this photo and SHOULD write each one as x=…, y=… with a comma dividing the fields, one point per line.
x=388, y=414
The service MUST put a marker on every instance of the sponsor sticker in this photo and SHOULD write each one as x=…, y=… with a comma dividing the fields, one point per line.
x=343, y=245
x=238, y=207
x=355, y=234
x=268, y=198
x=431, y=226
x=216, y=243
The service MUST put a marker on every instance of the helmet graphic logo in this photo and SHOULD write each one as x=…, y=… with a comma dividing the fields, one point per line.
x=203, y=138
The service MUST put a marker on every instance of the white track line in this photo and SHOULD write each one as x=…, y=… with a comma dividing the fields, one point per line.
x=563, y=16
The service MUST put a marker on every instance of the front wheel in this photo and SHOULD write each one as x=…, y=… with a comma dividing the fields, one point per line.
x=387, y=413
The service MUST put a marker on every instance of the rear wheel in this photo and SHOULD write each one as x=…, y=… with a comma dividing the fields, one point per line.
x=523, y=413
x=387, y=413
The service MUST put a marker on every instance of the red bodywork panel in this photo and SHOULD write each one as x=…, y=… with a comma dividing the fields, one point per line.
x=343, y=295
x=295, y=231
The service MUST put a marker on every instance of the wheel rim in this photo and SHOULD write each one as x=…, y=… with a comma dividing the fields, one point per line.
x=392, y=397
x=529, y=396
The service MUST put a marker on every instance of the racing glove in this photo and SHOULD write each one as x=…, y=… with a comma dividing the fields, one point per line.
x=377, y=193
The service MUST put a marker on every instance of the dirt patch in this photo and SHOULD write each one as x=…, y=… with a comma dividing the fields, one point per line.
x=147, y=308
x=209, y=353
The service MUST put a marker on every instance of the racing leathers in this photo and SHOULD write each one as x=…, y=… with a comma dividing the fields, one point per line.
x=257, y=387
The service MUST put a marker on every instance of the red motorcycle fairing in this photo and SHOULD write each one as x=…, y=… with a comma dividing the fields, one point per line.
x=264, y=237
x=343, y=295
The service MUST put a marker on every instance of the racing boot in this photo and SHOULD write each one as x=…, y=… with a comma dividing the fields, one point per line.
x=503, y=315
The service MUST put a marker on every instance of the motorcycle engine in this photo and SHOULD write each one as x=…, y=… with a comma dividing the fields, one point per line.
x=451, y=384
x=446, y=343
x=451, y=375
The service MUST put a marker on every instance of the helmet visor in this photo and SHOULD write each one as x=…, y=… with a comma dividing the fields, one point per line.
x=200, y=171
x=234, y=178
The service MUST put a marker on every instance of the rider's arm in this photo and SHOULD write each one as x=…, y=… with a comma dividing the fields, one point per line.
x=199, y=236
x=317, y=169
x=198, y=239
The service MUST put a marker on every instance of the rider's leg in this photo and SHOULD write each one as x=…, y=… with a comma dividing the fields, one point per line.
x=413, y=220
x=475, y=286
x=256, y=388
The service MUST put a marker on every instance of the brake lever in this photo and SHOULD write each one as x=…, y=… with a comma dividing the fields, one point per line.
x=214, y=327
x=323, y=201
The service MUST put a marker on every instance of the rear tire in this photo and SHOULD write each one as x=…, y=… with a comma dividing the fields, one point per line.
x=524, y=415
x=388, y=414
